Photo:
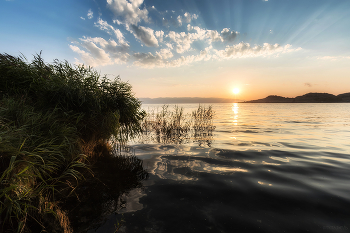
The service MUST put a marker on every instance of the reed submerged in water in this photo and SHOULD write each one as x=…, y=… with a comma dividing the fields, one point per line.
x=174, y=126
x=54, y=119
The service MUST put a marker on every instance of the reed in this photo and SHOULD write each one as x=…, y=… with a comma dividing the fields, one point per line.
x=203, y=125
x=53, y=118
x=174, y=126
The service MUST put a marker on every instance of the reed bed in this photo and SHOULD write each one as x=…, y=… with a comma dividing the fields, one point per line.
x=174, y=126
x=54, y=121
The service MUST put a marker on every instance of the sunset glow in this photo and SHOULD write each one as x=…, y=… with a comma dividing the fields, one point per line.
x=235, y=91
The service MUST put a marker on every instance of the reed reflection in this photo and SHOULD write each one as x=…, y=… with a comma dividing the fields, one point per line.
x=176, y=127
x=108, y=190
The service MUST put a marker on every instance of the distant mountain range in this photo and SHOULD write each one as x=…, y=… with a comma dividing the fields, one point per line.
x=307, y=98
x=185, y=100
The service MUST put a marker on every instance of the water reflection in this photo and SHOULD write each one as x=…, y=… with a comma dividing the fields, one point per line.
x=235, y=112
x=255, y=178
x=115, y=185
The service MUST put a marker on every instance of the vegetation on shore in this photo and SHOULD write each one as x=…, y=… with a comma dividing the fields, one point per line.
x=54, y=120
x=174, y=126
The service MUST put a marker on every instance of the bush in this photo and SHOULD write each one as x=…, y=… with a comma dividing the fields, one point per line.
x=100, y=107
x=52, y=119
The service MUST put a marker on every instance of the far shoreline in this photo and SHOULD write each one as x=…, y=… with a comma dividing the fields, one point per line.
x=307, y=98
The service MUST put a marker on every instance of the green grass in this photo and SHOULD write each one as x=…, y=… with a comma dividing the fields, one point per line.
x=53, y=120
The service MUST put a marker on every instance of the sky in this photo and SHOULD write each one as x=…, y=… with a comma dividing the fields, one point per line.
x=191, y=48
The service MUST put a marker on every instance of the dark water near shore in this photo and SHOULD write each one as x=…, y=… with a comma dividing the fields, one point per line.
x=267, y=168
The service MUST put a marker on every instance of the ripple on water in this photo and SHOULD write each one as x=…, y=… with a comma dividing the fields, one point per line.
x=216, y=190
x=271, y=168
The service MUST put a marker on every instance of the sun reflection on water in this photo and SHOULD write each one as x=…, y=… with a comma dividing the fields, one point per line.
x=235, y=112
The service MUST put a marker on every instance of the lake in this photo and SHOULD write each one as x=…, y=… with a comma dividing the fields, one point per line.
x=265, y=168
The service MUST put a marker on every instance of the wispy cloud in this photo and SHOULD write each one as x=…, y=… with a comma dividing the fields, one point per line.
x=246, y=50
x=103, y=25
x=144, y=34
x=333, y=58
x=97, y=51
x=90, y=14
x=188, y=17
x=94, y=57
x=179, y=20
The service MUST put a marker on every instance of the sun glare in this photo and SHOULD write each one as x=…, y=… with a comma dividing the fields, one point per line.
x=235, y=90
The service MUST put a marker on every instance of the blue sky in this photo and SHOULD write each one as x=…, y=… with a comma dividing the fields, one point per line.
x=202, y=48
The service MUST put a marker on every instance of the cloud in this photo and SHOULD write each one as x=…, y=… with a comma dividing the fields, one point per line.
x=188, y=17
x=165, y=22
x=159, y=35
x=228, y=35
x=148, y=60
x=90, y=14
x=82, y=18
x=170, y=46
x=171, y=49
x=144, y=34
x=213, y=36
x=109, y=46
x=94, y=57
x=165, y=53
x=240, y=50
x=203, y=55
x=128, y=10
x=184, y=40
x=86, y=57
x=246, y=50
x=104, y=26
x=97, y=51
x=308, y=84
x=179, y=20
x=333, y=58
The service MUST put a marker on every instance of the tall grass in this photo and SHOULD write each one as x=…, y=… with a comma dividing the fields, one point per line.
x=174, y=126
x=95, y=102
x=203, y=125
x=53, y=119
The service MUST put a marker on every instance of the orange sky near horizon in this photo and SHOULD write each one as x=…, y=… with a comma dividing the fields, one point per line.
x=322, y=75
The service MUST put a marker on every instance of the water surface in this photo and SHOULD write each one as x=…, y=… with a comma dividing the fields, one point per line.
x=267, y=168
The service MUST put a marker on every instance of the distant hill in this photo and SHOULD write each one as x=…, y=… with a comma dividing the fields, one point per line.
x=182, y=100
x=307, y=98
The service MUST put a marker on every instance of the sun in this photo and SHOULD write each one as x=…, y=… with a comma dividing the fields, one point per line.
x=235, y=91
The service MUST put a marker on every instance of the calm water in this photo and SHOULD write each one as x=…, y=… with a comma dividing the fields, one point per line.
x=267, y=168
